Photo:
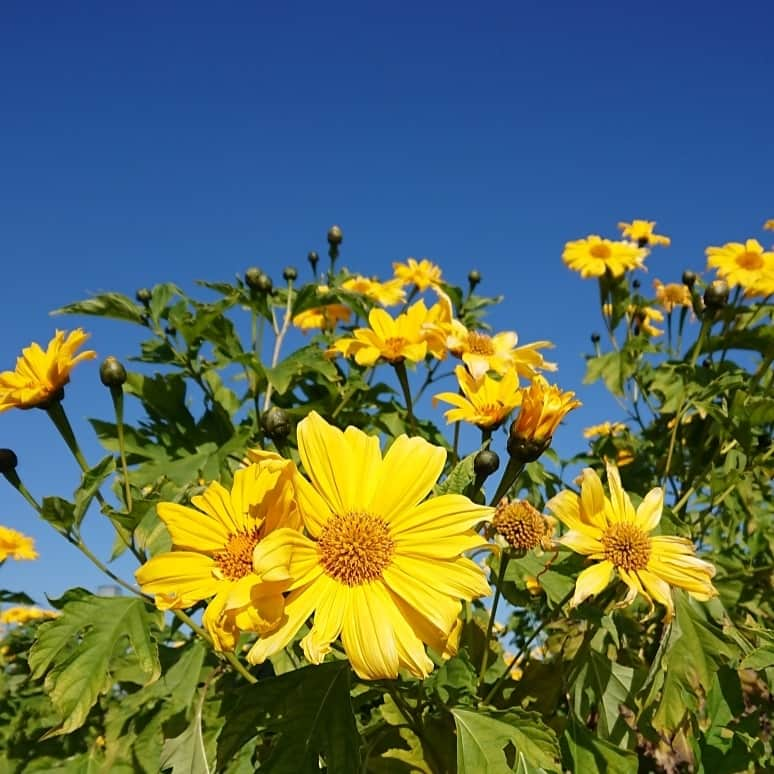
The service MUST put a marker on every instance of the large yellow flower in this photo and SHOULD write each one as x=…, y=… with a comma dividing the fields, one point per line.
x=385, y=293
x=594, y=256
x=322, y=317
x=16, y=545
x=481, y=352
x=212, y=554
x=485, y=402
x=543, y=407
x=614, y=535
x=641, y=232
x=423, y=274
x=40, y=375
x=392, y=340
x=748, y=265
x=672, y=294
x=381, y=568
x=23, y=615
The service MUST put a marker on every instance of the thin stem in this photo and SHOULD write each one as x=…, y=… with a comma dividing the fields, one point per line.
x=510, y=474
x=117, y=394
x=16, y=483
x=400, y=370
x=493, y=614
x=415, y=725
x=281, y=333
x=456, y=442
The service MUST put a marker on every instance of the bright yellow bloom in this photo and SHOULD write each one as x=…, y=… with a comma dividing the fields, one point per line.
x=16, y=545
x=393, y=340
x=543, y=407
x=40, y=375
x=610, y=532
x=438, y=324
x=212, y=553
x=322, y=317
x=748, y=265
x=594, y=256
x=423, y=274
x=499, y=353
x=672, y=294
x=385, y=293
x=381, y=568
x=485, y=402
x=606, y=428
x=644, y=317
x=641, y=232
x=23, y=615
x=769, y=225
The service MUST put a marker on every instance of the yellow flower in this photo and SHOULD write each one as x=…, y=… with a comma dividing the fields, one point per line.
x=522, y=525
x=16, y=545
x=594, y=256
x=482, y=353
x=606, y=428
x=623, y=457
x=543, y=407
x=748, y=265
x=438, y=324
x=40, y=375
x=393, y=340
x=769, y=225
x=322, y=317
x=381, y=568
x=385, y=293
x=672, y=294
x=23, y=615
x=485, y=402
x=423, y=274
x=643, y=318
x=610, y=532
x=641, y=232
x=212, y=553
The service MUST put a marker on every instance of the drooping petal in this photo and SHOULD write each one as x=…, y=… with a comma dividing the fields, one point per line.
x=591, y=581
x=659, y=590
x=178, y=578
x=222, y=628
x=333, y=604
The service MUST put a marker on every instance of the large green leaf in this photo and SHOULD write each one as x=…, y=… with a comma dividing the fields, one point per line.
x=499, y=741
x=114, y=305
x=310, y=712
x=305, y=362
x=186, y=753
x=586, y=752
x=460, y=477
x=90, y=483
x=75, y=651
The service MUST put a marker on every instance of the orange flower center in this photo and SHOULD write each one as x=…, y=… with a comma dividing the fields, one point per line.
x=355, y=548
x=520, y=524
x=393, y=348
x=600, y=250
x=480, y=344
x=627, y=546
x=236, y=559
x=750, y=260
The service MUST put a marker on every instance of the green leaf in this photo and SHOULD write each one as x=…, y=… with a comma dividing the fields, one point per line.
x=760, y=658
x=161, y=295
x=586, y=752
x=186, y=754
x=75, y=651
x=302, y=363
x=15, y=598
x=460, y=477
x=90, y=483
x=497, y=741
x=114, y=305
x=310, y=712
x=58, y=512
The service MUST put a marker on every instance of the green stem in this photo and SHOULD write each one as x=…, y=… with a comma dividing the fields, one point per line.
x=16, y=483
x=117, y=394
x=280, y=333
x=57, y=413
x=415, y=725
x=510, y=474
x=400, y=370
x=492, y=615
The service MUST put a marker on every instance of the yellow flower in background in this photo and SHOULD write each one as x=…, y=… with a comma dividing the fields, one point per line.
x=16, y=545
x=385, y=293
x=605, y=428
x=672, y=294
x=393, y=340
x=438, y=324
x=623, y=457
x=543, y=407
x=382, y=567
x=748, y=265
x=40, y=375
x=593, y=256
x=769, y=225
x=485, y=402
x=644, y=317
x=212, y=554
x=322, y=317
x=24, y=615
x=423, y=274
x=616, y=537
x=482, y=353
x=641, y=232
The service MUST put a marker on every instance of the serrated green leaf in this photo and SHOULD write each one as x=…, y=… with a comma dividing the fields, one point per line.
x=460, y=477
x=59, y=512
x=586, y=752
x=303, y=362
x=90, y=483
x=113, y=305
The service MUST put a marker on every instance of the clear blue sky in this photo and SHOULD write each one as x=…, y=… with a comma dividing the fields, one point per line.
x=175, y=141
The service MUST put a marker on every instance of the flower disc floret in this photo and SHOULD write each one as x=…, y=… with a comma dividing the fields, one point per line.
x=521, y=524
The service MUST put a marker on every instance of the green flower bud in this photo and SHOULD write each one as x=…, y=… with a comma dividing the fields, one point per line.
x=485, y=463
x=276, y=423
x=290, y=273
x=474, y=277
x=111, y=372
x=716, y=295
x=313, y=258
x=335, y=236
x=595, y=338
x=143, y=295
x=252, y=276
x=8, y=460
x=689, y=279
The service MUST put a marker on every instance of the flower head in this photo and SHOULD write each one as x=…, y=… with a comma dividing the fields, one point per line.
x=16, y=545
x=23, y=615
x=382, y=567
x=522, y=525
x=423, y=274
x=594, y=256
x=748, y=265
x=212, y=554
x=769, y=225
x=672, y=294
x=606, y=428
x=40, y=375
x=485, y=402
x=609, y=531
x=322, y=317
x=385, y=293
x=641, y=232
x=644, y=317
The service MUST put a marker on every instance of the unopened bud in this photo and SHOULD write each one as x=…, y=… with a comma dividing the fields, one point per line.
x=474, y=277
x=111, y=372
x=716, y=295
x=313, y=258
x=251, y=277
x=595, y=338
x=276, y=423
x=485, y=463
x=290, y=273
x=335, y=236
x=143, y=295
x=525, y=450
x=636, y=284
x=689, y=279
x=8, y=460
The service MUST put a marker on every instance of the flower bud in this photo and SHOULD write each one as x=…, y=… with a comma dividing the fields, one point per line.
x=170, y=330
x=716, y=295
x=636, y=284
x=276, y=423
x=525, y=450
x=313, y=258
x=595, y=338
x=335, y=236
x=485, y=463
x=111, y=372
x=290, y=273
x=474, y=277
x=143, y=295
x=689, y=279
x=8, y=460
x=251, y=277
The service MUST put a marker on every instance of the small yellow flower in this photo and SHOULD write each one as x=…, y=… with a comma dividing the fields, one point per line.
x=485, y=402
x=392, y=340
x=641, y=232
x=438, y=324
x=385, y=293
x=616, y=537
x=543, y=407
x=769, y=225
x=322, y=317
x=532, y=584
x=16, y=545
x=594, y=256
x=40, y=375
x=644, y=317
x=606, y=428
x=23, y=615
x=623, y=457
x=482, y=353
x=748, y=265
x=423, y=274
x=212, y=555
x=672, y=294
x=522, y=525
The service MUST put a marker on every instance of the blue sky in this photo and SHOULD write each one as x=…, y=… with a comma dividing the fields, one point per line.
x=179, y=141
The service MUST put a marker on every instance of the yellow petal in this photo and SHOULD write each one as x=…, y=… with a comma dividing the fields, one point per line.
x=659, y=590
x=222, y=628
x=566, y=507
x=443, y=645
x=324, y=455
x=592, y=500
x=287, y=555
x=425, y=545
x=445, y=515
x=649, y=510
x=591, y=581
x=363, y=465
x=216, y=502
x=622, y=508
x=333, y=603
x=193, y=530
x=178, y=578
x=581, y=543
